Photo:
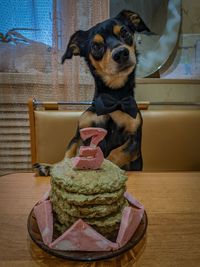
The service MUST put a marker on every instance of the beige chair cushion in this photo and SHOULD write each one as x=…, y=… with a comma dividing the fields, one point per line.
x=171, y=140
x=170, y=137
x=54, y=130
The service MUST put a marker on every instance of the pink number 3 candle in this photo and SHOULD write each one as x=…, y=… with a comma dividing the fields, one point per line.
x=90, y=157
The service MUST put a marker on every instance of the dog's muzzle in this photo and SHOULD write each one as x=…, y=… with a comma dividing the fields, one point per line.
x=120, y=55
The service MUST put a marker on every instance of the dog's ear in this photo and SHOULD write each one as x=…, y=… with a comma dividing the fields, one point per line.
x=75, y=46
x=133, y=21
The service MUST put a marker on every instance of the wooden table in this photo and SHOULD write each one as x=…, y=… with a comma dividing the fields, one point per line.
x=172, y=202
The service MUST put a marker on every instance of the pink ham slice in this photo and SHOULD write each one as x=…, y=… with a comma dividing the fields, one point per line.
x=81, y=236
x=131, y=219
x=97, y=135
x=90, y=158
x=44, y=217
x=133, y=200
x=45, y=196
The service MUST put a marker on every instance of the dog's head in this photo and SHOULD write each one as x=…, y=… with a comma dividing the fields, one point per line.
x=109, y=47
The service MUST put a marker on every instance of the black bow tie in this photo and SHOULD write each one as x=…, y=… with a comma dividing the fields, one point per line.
x=106, y=104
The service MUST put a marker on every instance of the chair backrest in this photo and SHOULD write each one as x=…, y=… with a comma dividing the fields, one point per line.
x=50, y=131
x=171, y=140
x=170, y=136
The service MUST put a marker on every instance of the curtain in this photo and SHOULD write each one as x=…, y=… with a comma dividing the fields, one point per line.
x=33, y=37
x=78, y=85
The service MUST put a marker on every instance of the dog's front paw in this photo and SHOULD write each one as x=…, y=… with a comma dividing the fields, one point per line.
x=41, y=169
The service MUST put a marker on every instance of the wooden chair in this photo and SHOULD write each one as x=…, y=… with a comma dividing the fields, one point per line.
x=170, y=136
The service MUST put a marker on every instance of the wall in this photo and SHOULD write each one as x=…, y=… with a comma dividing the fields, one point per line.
x=190, y=16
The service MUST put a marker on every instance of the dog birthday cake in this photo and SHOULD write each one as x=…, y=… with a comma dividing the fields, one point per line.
x=88, y=204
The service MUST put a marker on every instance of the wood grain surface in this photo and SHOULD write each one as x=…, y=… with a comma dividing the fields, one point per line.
x=171, y=200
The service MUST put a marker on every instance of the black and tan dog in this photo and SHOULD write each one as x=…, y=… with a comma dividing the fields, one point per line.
x=110, y=52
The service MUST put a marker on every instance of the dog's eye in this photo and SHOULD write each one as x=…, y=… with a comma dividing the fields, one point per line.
x=97, y=50
x=126, y=36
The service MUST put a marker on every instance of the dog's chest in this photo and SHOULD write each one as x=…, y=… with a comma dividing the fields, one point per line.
x=116, y=135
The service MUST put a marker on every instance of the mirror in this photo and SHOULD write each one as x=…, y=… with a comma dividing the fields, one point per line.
x=163, y=17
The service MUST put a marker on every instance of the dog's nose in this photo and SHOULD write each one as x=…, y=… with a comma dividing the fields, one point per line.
x=120, y=55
